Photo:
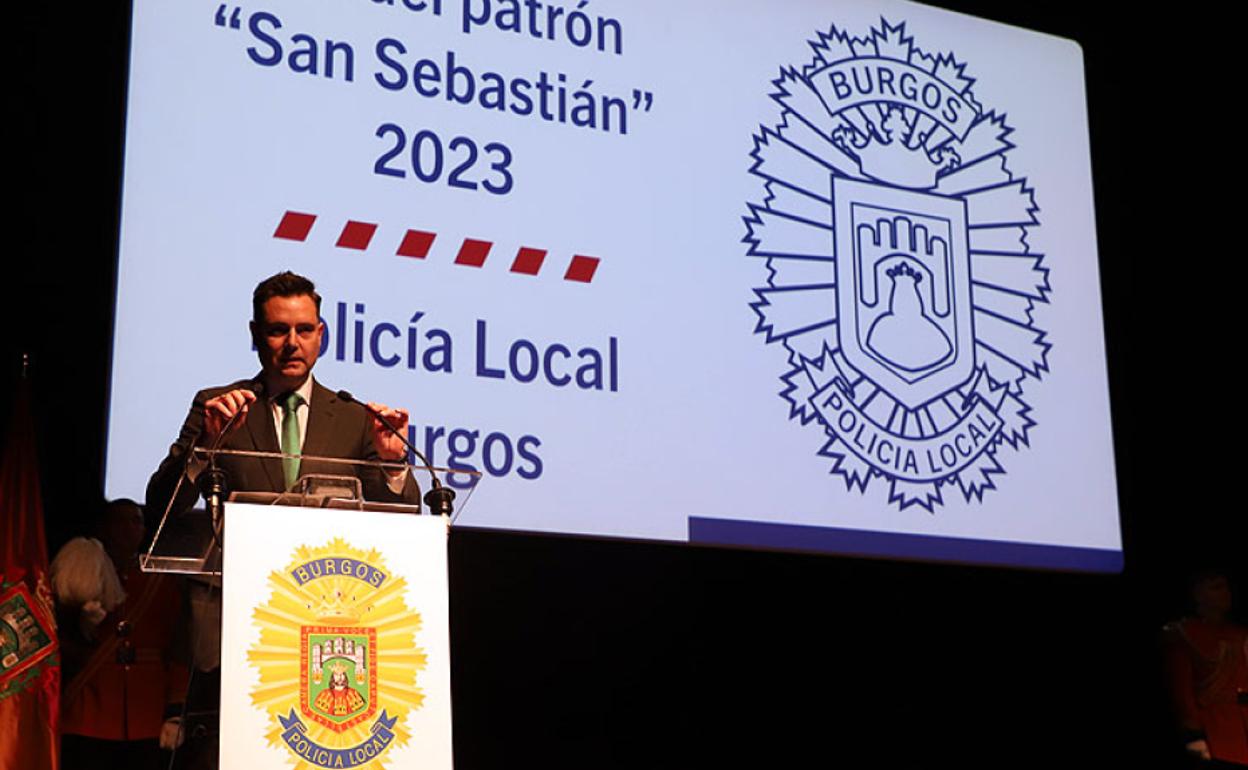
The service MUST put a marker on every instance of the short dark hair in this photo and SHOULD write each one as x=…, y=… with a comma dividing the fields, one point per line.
x=106, y=509
x=284, y=284
x=108, y=506
x=1206, y=574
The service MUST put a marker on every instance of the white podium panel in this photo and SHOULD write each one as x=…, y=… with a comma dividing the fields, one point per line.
x=335, y=647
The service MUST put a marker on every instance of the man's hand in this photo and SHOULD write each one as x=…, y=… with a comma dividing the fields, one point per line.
x=219, y=410
x=389, y=446
x=171, y=735
x=1199, y=748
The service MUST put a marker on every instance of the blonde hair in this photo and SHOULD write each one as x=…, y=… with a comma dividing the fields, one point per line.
x=82, y=573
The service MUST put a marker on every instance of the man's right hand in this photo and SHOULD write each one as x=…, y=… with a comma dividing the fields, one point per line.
x=219, y=410
x=1199, y=749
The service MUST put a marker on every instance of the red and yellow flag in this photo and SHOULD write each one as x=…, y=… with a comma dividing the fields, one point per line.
x=30, y=674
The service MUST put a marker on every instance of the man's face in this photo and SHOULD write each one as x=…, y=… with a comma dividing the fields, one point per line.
x=123, y=530
x=1213, y=595
x=288, y=340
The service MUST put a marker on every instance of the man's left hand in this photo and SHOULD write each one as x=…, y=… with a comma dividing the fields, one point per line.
x=389, y=446
x=171, y=734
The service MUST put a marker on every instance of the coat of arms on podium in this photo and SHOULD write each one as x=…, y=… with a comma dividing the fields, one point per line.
x=338, y=684
x=337, y=658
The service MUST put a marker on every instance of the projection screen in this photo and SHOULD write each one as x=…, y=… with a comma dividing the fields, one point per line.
x=803, y=275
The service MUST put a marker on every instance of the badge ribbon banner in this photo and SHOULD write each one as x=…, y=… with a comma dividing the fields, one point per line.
x=919, y=460
x=295, y=736
x=870, y=80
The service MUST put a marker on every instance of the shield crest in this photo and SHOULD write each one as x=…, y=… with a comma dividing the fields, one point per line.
x=903, y=289
x=338, y=680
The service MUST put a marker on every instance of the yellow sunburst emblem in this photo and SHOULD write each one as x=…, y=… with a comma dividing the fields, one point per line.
x=337, y=658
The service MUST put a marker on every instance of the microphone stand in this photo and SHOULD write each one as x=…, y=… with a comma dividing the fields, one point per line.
x=440, y=499
x=214, y=482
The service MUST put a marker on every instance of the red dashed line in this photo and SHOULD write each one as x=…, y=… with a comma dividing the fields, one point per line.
x=295, y=226
x=581, y=268
x=528, y=261
x=417, y=244
x=473, y=253
x=356, y=235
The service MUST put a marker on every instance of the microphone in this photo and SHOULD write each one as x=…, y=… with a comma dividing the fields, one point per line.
x=213, y=482
x=255, y=386
x=440, y=499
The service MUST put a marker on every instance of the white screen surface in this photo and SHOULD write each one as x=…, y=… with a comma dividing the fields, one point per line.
x=827, y=270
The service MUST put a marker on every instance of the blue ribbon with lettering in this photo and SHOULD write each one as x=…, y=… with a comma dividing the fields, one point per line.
x=295, y=735
x=338, y=566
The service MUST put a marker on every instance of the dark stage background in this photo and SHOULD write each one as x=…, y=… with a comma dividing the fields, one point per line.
x=579, y=653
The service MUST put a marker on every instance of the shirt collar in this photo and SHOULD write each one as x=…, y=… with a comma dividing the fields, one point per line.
x=304, y=391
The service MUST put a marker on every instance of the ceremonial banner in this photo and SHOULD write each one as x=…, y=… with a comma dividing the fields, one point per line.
x=30, y=671
x=335, y=645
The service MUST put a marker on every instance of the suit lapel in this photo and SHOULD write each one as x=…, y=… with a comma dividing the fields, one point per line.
x=319, y=437
x=264, y=439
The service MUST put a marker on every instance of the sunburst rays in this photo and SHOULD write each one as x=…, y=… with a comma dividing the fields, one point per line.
x=792, y=231
x=291, y=607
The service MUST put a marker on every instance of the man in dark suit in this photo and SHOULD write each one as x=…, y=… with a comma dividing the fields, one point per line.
x=296, y=414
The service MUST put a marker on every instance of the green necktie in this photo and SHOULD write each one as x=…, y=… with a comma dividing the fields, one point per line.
x=290, y=437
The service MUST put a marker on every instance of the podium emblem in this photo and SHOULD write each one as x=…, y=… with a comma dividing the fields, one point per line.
x=338, y=686
x=337, y=658
x=900, y=276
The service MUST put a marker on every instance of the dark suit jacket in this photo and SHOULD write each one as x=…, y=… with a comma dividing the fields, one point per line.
x=336, y=428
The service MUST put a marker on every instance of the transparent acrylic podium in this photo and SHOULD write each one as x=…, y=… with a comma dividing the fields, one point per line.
x=187, y=540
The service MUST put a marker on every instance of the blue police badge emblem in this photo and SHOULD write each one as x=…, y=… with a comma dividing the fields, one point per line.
x=899, y=275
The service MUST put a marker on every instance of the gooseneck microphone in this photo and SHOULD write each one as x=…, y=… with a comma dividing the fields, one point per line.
x=440, y=499
x=213, y=483
x=255, y=386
